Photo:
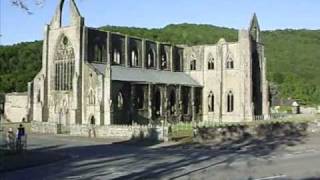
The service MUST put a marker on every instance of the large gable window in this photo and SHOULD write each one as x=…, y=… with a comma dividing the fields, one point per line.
x=64, y=65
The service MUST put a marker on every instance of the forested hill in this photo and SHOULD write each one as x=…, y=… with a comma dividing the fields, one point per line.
x=293, y=56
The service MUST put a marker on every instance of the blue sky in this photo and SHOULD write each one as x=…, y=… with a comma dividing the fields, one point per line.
x=17, y=26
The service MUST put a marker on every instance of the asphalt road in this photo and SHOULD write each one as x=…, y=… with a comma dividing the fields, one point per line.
x=111, y=159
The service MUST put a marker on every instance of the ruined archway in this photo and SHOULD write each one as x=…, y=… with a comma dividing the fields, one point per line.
x=157, y=102
x=172, y=101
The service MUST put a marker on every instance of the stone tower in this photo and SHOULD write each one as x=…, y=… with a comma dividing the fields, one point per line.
x=58, y=85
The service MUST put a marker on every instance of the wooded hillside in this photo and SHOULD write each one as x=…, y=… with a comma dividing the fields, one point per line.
x=293, y=56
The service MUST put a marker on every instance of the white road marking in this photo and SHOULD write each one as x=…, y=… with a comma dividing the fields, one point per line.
x=272, y=177
x=74, y=177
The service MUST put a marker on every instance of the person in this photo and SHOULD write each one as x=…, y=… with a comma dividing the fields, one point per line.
x=20, y=137
x=21, y=131
x=10, y=139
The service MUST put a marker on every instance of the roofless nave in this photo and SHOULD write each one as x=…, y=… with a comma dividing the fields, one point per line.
x=95, y=77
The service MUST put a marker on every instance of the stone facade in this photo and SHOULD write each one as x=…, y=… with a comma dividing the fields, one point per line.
x=97, y=78
x=16, y=107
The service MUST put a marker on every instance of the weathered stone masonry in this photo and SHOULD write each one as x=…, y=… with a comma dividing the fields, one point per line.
x=96, y=78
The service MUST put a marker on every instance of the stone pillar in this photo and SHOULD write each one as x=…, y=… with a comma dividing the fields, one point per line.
x=107, y=98
x=245, y=52
x=171, y=59
x=265, y=92
x=150, y=101
x=30, y=102
x=193, y=105
x=126, y=50
x=132, y=107
x=165, y=103
x=143, y=53
x=158, y=58
x=179, y=104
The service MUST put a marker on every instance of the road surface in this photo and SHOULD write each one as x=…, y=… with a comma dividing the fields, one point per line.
x=109, y=159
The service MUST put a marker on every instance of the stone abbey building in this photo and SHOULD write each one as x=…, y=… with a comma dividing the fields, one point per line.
x=90, y=76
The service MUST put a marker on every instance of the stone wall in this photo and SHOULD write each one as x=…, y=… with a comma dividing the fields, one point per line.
x=16, y=107
x=123, y=132
x=43, y=127
x=267, y=129
x=5, y=126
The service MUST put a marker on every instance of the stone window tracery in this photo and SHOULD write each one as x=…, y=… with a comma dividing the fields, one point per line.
x=64, y=65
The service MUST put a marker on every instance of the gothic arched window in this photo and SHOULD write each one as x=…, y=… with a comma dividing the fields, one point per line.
x=211, y=102
x=64, y=65
x=97, y=53
x=139, y=97
x=210, y=62
x=172, y=101
x=39, y=96
x=150, y=59
x=164, y=61
x=230, y=102
x=116, y=56
x=230, y=63
x=120, y=100
x=134, y=58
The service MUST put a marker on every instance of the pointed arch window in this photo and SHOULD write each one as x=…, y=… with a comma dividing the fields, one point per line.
x=39, y=96
x=150, y=59
x=230, y=102
x=134, y=58
x=210, y=62
x=64, y=60
x=164, y=61
x=211, y=102
x=230, y=63
x=116, y=56
x=120, y=100
x=98, y=53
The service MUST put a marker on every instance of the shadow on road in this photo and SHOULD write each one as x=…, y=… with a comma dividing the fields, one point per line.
x=127, y=160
